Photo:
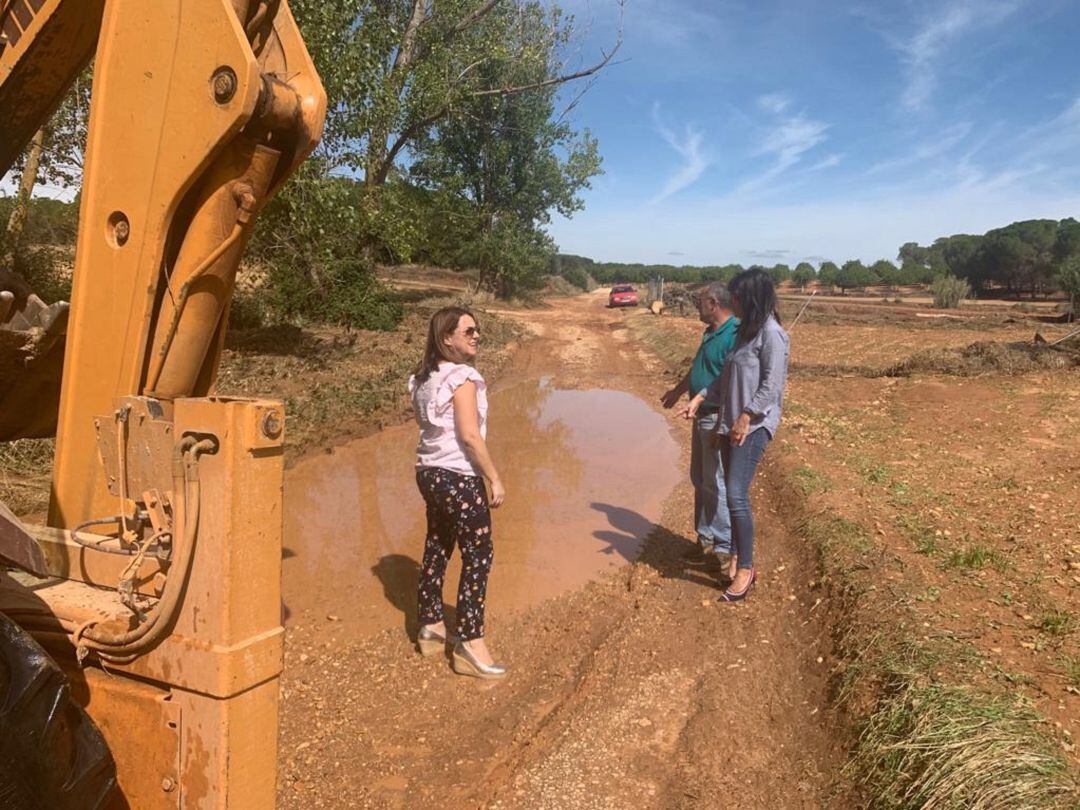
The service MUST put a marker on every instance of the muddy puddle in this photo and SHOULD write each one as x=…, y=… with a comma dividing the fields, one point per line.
x=586, y=472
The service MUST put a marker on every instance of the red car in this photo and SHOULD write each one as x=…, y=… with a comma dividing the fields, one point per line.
x=622, y=295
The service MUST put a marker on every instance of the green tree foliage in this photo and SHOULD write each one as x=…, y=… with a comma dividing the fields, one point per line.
x=829, y=274
x=308, y=249
x=51, y=222
x=465, y=90
x=886, y=272
x=911, y=252
x=510, y=158
x=912, y=273
x=803, y=274
x=779, y=273
x=855, y=274
x=1022, y=257
x=614, y=272
x=1068, y=278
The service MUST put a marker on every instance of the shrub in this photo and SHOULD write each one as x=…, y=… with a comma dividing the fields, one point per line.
x=311, y=242
x=949, y=291
x=579, y=278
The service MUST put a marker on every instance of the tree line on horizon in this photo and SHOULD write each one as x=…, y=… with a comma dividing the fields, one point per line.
x=1033, y=256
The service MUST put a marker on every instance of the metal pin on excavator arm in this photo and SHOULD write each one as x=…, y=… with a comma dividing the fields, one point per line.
x=162, y=549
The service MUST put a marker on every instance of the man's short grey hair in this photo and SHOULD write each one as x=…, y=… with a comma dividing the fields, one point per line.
x=719, y=293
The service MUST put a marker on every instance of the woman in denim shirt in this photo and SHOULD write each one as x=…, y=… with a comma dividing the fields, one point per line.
x=751, y=393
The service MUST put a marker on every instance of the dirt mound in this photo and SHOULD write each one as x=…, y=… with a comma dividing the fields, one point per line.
x=988, y=357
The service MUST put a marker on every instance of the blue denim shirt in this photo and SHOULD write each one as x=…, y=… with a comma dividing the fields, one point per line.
x=753, y=380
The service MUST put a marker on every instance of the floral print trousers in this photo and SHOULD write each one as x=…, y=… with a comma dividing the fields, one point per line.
x=457, y=514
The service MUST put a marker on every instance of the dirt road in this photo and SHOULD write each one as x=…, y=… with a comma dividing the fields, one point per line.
x=636, y=689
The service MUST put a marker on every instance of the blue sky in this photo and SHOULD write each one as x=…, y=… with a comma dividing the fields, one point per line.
x=781, y=130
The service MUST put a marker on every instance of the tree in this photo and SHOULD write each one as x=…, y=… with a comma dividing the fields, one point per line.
x=1068, y=278
x=829, y=274
x=854, y=274
x=1067, y=240
x=914, y=253
x=512, y=160
x=1019, y=256
x=779, y=273
x=803, y=274
x=400, y=74
x=395, y=68
x=886, y=272
x=912, y=273
x=954, y=254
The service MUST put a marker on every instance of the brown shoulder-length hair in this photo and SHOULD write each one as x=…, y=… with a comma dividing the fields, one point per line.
x=443, y=323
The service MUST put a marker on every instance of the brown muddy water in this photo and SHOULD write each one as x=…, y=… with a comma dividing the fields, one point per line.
x=586, y=472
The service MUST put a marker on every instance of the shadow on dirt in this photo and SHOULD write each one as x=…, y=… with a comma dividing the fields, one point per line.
x=399, y=575
x=630, y=528
x=278, y=339
x=662, y=549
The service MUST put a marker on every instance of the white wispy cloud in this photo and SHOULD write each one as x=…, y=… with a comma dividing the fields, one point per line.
x=689, y=148
x=826, y=162
x=941, y=144
x=789, y=138
x=922, y=52
x=775, y=103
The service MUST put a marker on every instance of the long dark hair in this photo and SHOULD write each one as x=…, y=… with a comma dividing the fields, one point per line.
x=443, y=323
x=754, y=291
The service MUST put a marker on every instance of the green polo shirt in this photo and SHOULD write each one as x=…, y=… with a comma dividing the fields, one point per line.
x=715, y=346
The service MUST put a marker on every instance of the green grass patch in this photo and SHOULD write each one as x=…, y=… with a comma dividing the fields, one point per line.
x=835, y=535
x=877, y=474
x=672, y=345
x=1057, y=623
x=975, y=558
x=918, y=532
x=809, y=480
x=936, y=746
x=1070, y=665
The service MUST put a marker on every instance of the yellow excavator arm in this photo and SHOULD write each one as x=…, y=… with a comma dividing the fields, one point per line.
x=160, y=560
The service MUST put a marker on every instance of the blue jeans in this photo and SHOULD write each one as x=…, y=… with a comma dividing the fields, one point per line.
x=711, y=519
x=740, y=462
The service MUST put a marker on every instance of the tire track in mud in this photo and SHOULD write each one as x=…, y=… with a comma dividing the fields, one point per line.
x=639, y=690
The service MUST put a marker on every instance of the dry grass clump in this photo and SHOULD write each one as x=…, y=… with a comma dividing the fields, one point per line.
x=941, y=747
x=25, y=467
x=985, y=357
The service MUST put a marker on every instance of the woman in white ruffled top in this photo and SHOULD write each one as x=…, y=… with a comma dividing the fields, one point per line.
x=452, y=460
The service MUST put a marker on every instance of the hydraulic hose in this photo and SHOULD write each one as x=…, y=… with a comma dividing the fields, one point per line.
x=124, y=647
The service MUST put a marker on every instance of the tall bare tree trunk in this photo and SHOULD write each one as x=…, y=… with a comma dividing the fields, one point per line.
x=21, y=210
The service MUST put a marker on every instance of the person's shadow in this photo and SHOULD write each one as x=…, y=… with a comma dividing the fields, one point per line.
x=400, y=575
x=635, y=537
x=630, y=530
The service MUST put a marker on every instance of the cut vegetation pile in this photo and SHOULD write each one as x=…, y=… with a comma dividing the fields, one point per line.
x=987, y=357
x=25, y=467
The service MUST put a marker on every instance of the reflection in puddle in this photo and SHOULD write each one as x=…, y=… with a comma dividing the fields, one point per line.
x=585, y=471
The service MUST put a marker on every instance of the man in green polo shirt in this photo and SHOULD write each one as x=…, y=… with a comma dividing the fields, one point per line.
x=711, y=518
